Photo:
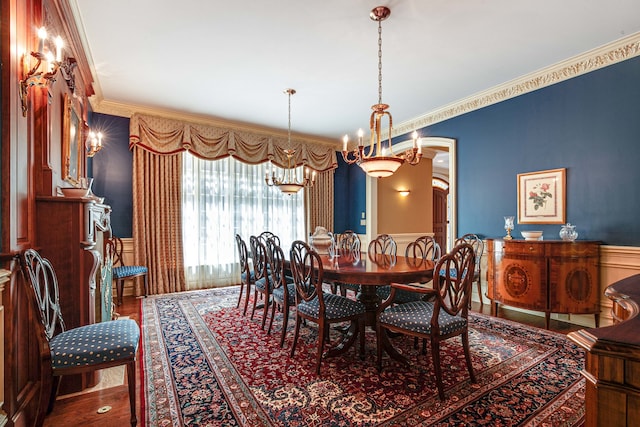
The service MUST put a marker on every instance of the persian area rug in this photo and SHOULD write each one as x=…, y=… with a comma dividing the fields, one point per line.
x=205, y=364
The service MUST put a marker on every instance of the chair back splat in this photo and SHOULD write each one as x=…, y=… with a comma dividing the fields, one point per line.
x=246, y=273
x=478, y=248
x=443, y=318
x=312, y=304
x=284, y=291
x=262, y=280
x=347, y=244
x=79, y=350
x=121, y=271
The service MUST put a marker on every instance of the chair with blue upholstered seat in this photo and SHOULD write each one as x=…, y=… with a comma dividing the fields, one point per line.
x=246, y=273
x=75, y=351
x=121, y=271
x=423, y=248
x=284, y=290
x=384, y=244
x=438, y=320
x=262, y=285
x=478, y=248
x=322, y=308
x=346, y=243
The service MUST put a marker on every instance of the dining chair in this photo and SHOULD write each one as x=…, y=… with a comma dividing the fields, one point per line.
x=382, y=245
x=423, y=248
x=322, y=308
x=247, y=275
x=121, y=271
x=284, y=290
x=74, y=351
x=478, y=248
x=262, y=285
x=346, y=243
x=438, y=320
x=268, y=235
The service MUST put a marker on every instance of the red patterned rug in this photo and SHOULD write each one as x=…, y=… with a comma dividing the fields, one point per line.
x=205, y=364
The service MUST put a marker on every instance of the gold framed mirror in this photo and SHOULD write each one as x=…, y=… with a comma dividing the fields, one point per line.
x=72, y=146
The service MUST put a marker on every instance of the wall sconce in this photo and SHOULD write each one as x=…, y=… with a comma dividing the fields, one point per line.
x=45, y=68
x=404, y=193
x=94, y=143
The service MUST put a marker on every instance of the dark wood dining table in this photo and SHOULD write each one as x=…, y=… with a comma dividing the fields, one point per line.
x=371, y=271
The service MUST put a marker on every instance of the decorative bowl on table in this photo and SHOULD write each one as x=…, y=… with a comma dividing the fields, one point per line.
x=531, y=235
x=74, y=191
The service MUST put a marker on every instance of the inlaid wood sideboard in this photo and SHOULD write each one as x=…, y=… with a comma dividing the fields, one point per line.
x=612, y=365
x=552, y=276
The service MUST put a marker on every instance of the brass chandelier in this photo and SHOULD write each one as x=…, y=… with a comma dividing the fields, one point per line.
x=288, y=182
x=379, y=161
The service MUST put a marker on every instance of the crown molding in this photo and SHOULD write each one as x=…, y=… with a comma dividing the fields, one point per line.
x=595, y=59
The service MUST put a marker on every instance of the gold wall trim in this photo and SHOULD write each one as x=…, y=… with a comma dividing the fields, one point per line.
x=595, y=59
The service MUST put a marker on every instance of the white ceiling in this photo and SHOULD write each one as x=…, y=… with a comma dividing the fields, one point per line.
x=233, y=59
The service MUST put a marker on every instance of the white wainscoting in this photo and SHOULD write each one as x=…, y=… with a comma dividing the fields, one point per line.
x=616, y=263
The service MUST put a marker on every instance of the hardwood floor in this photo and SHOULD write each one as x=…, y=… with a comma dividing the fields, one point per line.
x=82, y=410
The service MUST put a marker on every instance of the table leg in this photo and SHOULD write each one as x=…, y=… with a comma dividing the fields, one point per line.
x=346, y=342
x=371, y=301
x=390, y=350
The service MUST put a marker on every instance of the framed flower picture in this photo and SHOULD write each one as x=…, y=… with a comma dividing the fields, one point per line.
x=541, y=197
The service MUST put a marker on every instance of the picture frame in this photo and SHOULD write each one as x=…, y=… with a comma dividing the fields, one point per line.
x=72, y=145
x=542, y=197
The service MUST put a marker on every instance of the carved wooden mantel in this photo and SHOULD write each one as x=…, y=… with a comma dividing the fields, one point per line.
x=612, y=366
x=71, y=233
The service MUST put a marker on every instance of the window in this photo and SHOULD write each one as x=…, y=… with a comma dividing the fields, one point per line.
x=223, y=198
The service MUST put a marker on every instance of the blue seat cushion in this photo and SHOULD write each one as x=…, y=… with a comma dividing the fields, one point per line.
x=416, y=316
x=336, y=307
x=278, y=293
x=128, y=270
x=252, y=277
x=95, y=343
x=260, y=283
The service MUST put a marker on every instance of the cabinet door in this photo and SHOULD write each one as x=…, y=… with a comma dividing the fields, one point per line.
x=521, y=282
x=574, y=285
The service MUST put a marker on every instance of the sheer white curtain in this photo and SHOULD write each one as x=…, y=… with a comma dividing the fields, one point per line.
x=224, y=197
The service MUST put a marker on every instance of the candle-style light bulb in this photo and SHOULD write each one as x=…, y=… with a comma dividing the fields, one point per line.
x=360, y=135
x=59, y=44
x=345, y=140
x=414, y=135
x=42, y=35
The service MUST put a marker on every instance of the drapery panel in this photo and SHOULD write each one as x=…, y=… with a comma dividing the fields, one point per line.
x=167, y=136
x=320, y=205
x=157, y=219
x=158, y=144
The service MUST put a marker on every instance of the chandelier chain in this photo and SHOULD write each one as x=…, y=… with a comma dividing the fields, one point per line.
x=289, y=133
x=380, y=62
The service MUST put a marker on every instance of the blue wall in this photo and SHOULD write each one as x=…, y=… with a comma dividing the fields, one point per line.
x=349, y=201
x=589, y=125
x=112, y=171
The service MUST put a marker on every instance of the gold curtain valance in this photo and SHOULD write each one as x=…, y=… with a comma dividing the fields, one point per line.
x=162, y=135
